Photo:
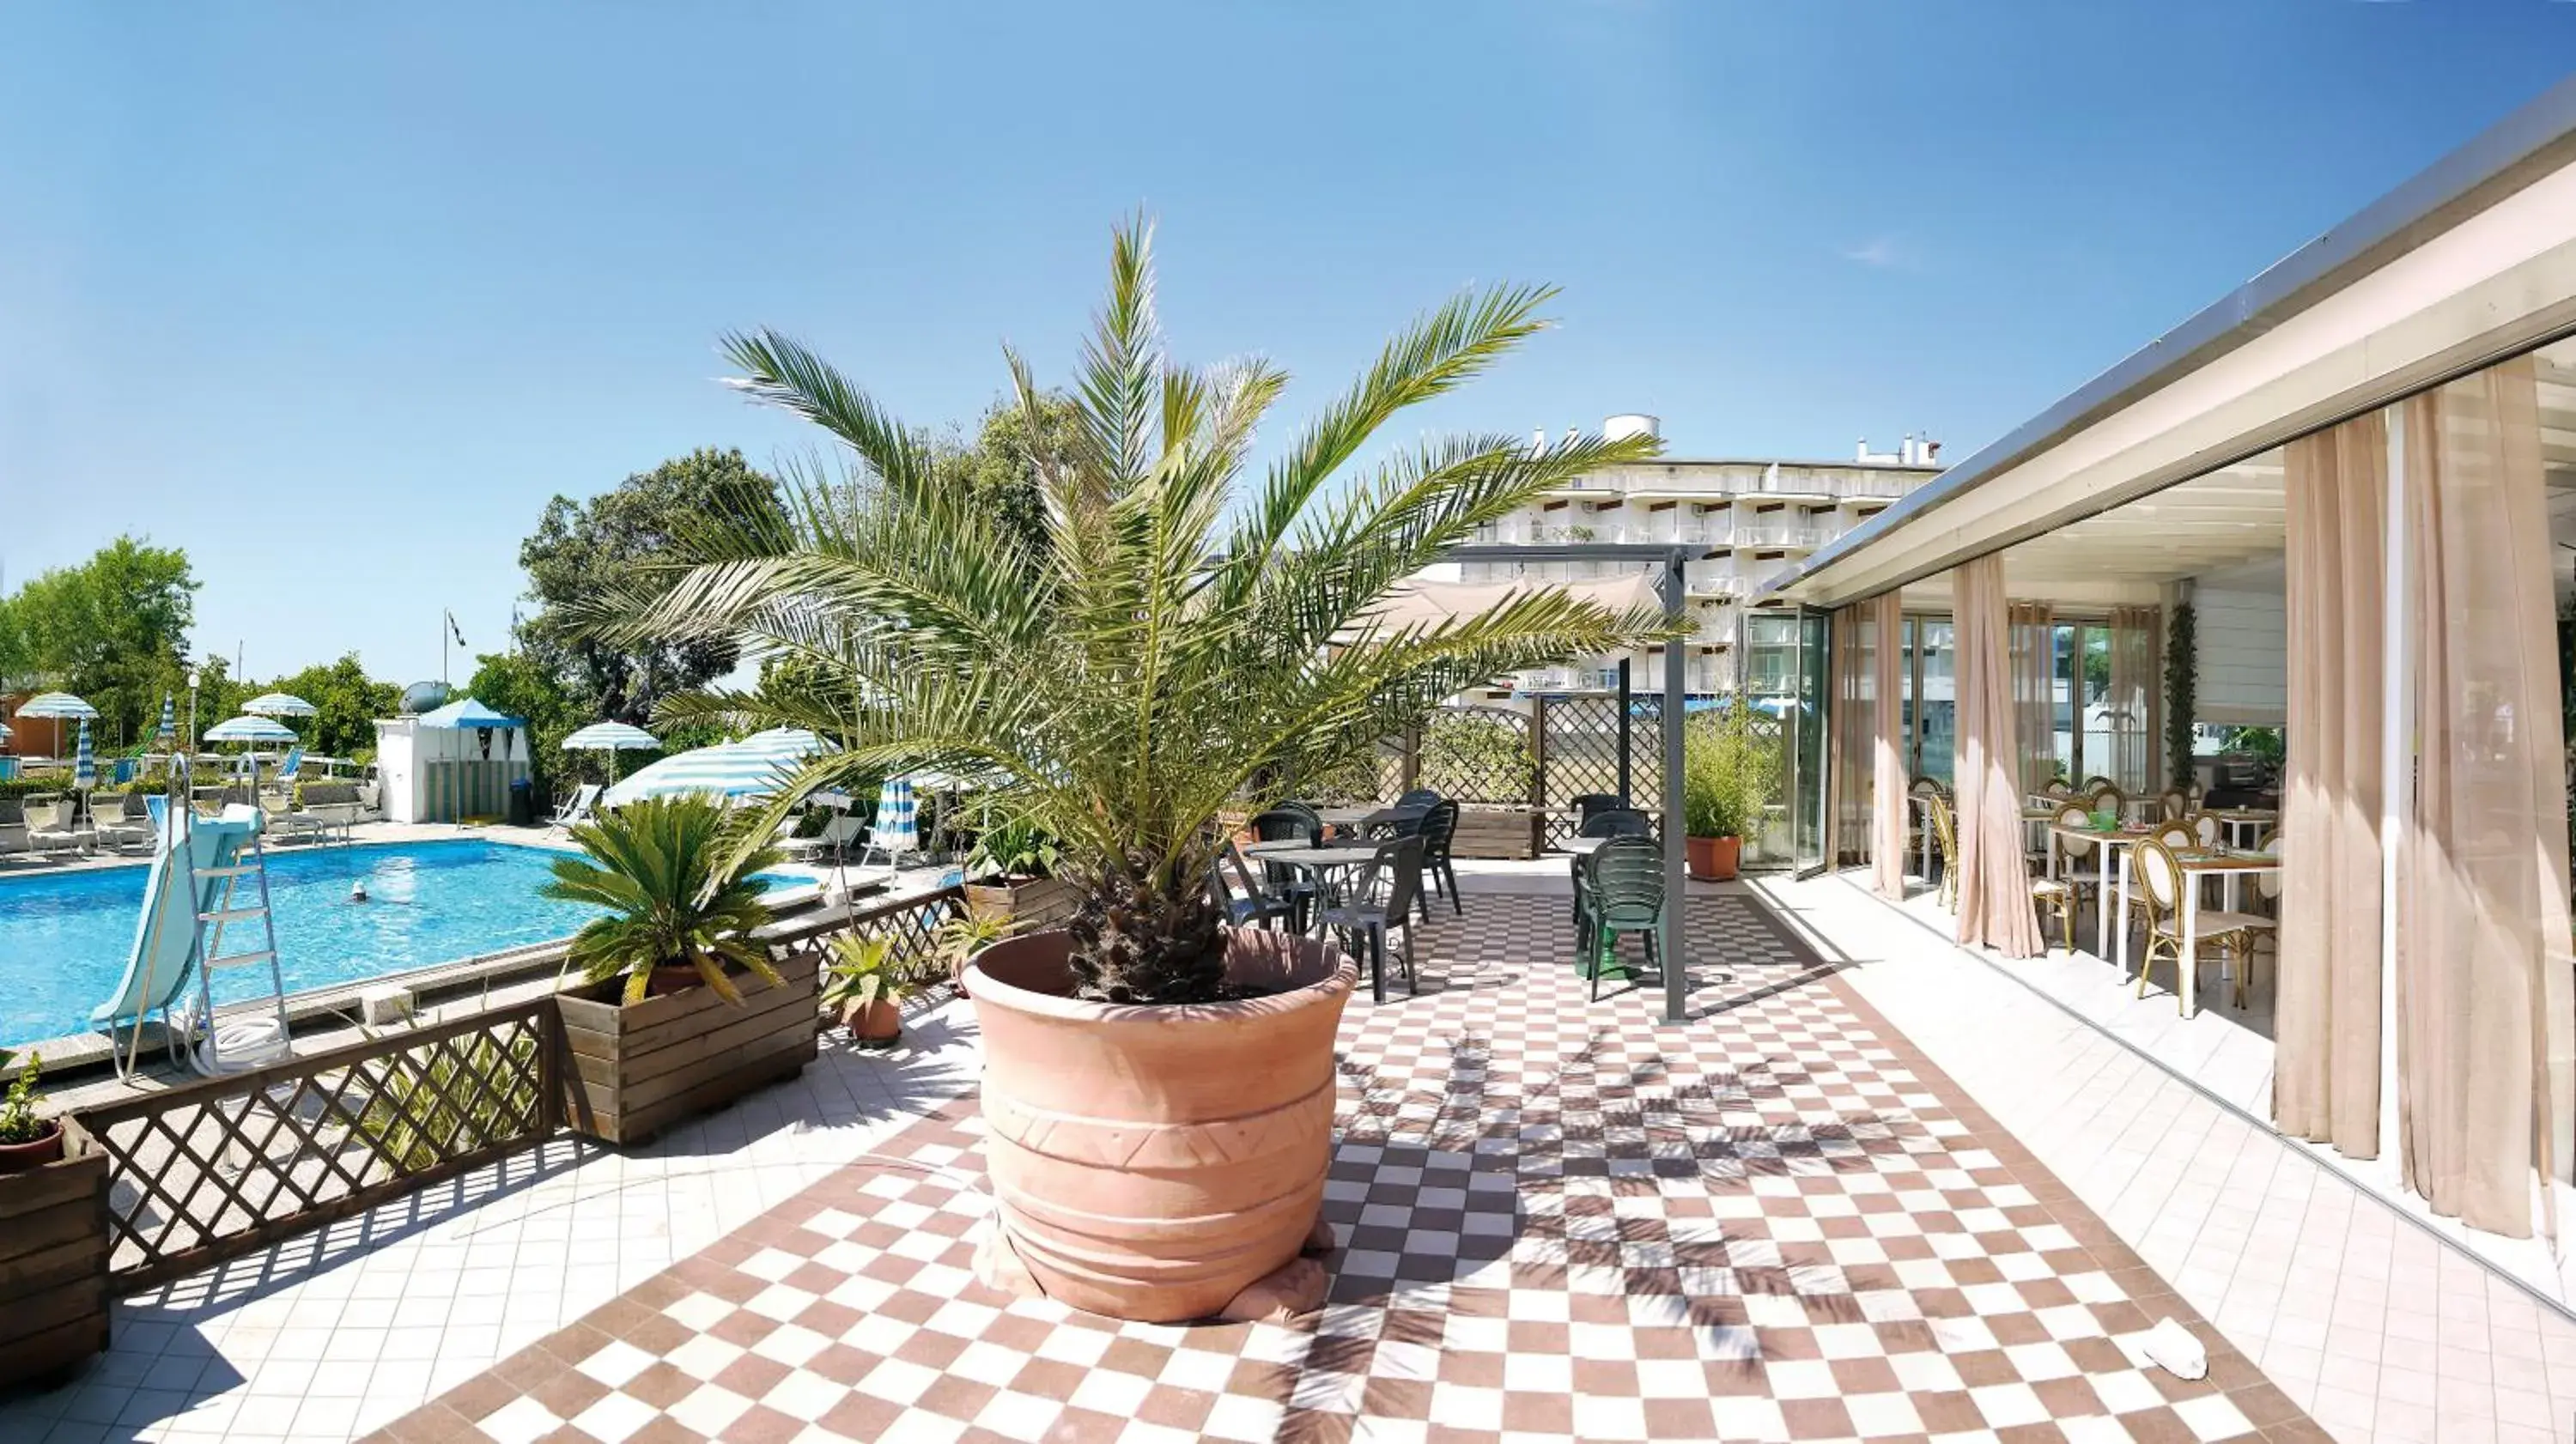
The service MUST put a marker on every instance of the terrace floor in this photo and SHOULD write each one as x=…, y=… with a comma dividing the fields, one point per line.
x=1559, y=1219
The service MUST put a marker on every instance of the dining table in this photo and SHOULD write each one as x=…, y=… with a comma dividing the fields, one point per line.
x=1368, y=816
x=2242, y=821
x=2231, y=866
x=1326, y=864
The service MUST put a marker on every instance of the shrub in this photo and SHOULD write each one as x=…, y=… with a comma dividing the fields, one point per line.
x=1729, y=772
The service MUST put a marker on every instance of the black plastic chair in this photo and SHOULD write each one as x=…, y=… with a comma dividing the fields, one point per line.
x=1253, y=903
x=1623, y=893
x=1379, y=903
x=1589, y=805
x=1418, y=797
x=1609, y=822
x=1290, y=822
x=1439, y=826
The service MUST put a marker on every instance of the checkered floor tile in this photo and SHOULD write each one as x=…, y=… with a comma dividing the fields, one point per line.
x=1560, y=1219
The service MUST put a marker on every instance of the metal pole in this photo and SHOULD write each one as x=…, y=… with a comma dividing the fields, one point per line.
x=1676, y=962
x=1627, y=710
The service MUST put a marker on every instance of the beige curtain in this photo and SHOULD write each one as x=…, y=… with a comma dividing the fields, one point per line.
x=2484, y=963
x=1995, y=905
x=2034, y=683
x=2135, y=634
x=2325, y=1081
x=1888, y=829
x=1855, y=719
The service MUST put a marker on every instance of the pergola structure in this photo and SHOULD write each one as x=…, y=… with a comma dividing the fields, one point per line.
x=1672, y=557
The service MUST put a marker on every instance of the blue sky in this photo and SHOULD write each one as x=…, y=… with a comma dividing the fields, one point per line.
x=336, y=298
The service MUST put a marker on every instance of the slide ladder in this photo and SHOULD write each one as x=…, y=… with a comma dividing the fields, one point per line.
x=253, y=1035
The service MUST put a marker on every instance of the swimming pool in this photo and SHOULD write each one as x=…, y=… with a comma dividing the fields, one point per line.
x=64, y=939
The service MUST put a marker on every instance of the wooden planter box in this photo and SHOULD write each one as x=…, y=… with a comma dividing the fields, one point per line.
x=53, y=1263
x=1498, y=832
x=1031, y=903
x=629, y=1073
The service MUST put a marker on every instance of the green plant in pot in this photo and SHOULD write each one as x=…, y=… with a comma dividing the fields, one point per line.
x=680, y=895
x=1011, y=875
x=865, y=987
x=1729, y=772
x=1182, y=634
x=27, y=1138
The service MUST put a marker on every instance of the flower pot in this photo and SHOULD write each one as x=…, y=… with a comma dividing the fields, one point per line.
x=15, y=1157
x=53, y=1259
x=1713, y=859
x=873, y=1025
x=1028, y=903
x=671, y=978
x=631, y=1071
x=1159, y=1163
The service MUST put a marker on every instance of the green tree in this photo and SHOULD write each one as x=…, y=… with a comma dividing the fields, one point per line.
x=349, y=700
x=620, y=541
x=113, y=629
x=1004, y=469
x=1179, y=639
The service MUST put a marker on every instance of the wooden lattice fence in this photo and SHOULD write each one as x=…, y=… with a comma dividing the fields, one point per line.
x=212, y=1169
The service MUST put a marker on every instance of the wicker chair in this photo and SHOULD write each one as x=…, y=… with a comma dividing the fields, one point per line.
x=2162, y=880
x=1945, y=834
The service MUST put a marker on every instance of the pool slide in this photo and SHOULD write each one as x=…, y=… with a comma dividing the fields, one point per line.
x=165, y=938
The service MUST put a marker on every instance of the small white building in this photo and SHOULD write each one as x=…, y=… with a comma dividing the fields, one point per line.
x=451, y=764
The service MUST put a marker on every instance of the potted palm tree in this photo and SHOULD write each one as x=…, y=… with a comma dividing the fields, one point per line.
x=1727, y=770
x=665, y=1026
x=865, y=989
x=1158, y=1087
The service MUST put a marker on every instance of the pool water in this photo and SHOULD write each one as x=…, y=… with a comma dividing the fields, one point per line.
x=64, y=939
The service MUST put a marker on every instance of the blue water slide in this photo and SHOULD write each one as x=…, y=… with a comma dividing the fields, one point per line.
x=157, y=968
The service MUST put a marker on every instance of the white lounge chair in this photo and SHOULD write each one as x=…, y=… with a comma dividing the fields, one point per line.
x=576, y=808
x=15, y=840
x=835, y=838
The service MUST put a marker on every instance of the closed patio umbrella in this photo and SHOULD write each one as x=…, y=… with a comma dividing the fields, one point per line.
x=84, y=766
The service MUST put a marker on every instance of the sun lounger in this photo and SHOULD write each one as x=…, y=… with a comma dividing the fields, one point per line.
x=14, y=840
x=576, y=809
x=131, y=826
x=835, y=838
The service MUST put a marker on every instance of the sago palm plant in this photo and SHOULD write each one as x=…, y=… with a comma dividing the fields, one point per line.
x=1181, y=640
x=679, y=892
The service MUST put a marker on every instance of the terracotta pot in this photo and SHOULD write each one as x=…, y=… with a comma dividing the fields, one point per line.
x=1712, y=859
x=15, y=1157
x=873, y=1025
x=1152, y=1163
x=669, y=978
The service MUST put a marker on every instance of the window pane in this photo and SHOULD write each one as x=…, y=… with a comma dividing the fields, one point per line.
x=1940, y=699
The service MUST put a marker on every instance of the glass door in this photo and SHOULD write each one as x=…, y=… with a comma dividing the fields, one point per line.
x=1808, y=817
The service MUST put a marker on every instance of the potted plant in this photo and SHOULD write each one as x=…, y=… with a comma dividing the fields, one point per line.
x=1727, y=770
x=864, y=988
x=53, y=1238
x=681, y=1009
x=1158, y=1087
x=1010, y=876
x=27, y=1138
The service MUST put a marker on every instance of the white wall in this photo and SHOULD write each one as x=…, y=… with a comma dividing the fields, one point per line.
x=2244, y=646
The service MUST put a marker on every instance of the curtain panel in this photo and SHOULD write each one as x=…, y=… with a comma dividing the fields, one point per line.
x=1889, y=824
x=2326, y=1065
x=2034, y=693
x=1995, y=906
x=2484, y=962
x=2136, y=674
x=1854, y=725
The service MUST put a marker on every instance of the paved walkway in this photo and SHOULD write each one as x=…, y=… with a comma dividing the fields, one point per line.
x=1560, y=1219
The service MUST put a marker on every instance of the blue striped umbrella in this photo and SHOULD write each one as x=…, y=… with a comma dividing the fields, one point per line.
x=168, y=731
x=756, y=766
x=249, y=729
x=85, y=761
x=611, y=738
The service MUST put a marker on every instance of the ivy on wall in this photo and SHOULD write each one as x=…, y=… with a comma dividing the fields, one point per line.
x=2182, y=680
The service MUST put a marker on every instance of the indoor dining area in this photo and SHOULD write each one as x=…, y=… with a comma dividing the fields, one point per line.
x=2263, y=772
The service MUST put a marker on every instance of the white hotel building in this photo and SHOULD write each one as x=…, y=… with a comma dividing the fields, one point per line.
x=1764, y=515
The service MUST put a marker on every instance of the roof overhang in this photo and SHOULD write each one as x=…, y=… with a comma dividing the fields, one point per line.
x=2469, y=262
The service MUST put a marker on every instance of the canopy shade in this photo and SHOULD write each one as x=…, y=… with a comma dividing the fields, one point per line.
x=752, y=767
x=56, y=704
x=611, y=737
x=248, y=728
x=280, y=704
x=466, y=712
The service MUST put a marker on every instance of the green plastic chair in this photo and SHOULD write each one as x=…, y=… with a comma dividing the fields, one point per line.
x=1623, y=892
